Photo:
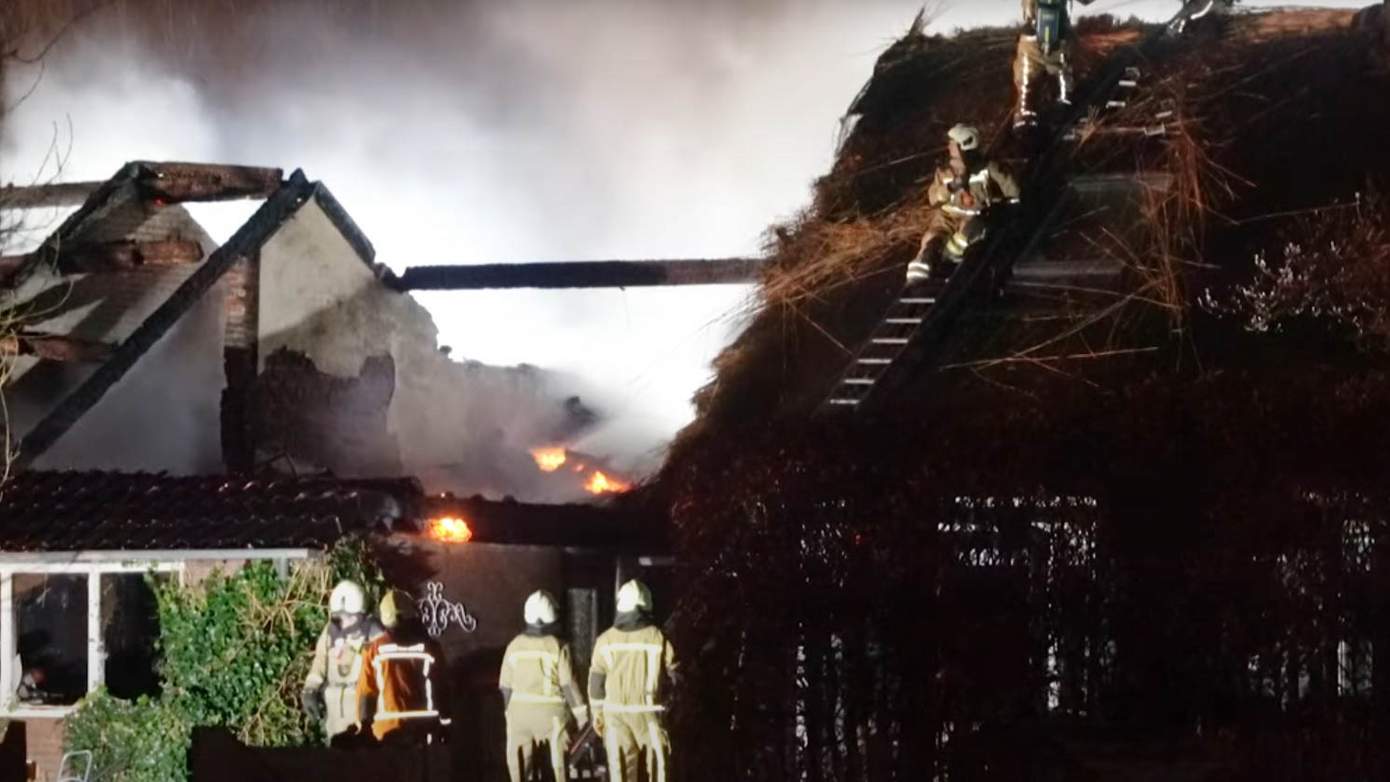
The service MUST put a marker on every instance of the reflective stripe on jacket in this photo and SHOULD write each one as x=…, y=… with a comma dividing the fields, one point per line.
x=630, y=670
x=537, y=669
x=401, y=678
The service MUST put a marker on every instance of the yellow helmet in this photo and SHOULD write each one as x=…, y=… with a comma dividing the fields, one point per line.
x=397, y=607
x=634, y=596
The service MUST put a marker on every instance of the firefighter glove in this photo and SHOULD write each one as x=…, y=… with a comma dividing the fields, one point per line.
x=312, y=701
x=598, y=723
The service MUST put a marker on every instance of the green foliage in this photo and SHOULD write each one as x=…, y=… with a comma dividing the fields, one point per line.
x=140, y=741
x=234, y=653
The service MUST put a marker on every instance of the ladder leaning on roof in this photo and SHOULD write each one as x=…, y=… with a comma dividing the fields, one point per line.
x=922, y=313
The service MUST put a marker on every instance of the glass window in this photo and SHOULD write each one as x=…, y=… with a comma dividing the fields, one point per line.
x=129, y=632
x=51, y=637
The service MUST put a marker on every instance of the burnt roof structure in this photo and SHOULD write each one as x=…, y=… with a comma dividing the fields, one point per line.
x=613, y=528
x=133, y=222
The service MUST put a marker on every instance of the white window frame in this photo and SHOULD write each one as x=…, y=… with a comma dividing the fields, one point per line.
x=93, y=565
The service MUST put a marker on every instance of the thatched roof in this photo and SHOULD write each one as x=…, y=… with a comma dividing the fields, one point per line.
x=1274, y=127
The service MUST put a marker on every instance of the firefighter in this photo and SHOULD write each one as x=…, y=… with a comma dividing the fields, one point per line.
x=400, y=693
x=330, y=689
x=962, y=192
x=539, y=693
x=1192, y=10
x=631, y=675
x=1044, y=49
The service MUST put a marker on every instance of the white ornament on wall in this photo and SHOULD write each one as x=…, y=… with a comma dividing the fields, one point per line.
x=437, y=612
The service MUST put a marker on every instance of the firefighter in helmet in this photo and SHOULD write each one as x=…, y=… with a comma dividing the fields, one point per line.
x=629, y=680
x=330, y=689
x=962, y=192
x=1044, y=49
x=539, y=693
x=401, y=693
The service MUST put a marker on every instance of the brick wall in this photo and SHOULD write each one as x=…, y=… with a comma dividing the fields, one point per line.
x=44, y=746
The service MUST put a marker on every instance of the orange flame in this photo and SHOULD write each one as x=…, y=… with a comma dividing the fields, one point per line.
x=549, y=459
x=599, y=483
x=450, y=529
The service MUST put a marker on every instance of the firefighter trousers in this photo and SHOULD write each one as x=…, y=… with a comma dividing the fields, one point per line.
x=537, y=738
x=638, y=748
x=945, y=232
x=1031, y=65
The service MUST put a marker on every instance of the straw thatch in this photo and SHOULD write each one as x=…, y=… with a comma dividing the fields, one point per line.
x=1127, y=532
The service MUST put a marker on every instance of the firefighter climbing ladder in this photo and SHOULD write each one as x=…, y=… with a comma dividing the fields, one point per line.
x=929, y=306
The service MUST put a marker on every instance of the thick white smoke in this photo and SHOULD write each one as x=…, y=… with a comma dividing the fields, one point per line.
x=520, y=130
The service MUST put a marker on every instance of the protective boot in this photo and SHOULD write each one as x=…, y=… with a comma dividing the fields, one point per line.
x=919, y=270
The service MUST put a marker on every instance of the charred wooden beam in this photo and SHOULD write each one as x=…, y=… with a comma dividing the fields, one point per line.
x=245, y=242
x=125, y=255
x=53, y=347
x=177, y=182
x=50, y=195
x=582, y=274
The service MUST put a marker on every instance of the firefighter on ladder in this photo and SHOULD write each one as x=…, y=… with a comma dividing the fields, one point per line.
x=629, y=679
x=330, y=689
x=1044, y=49
x=962, y=192
x=1193, y=10
x=400, y=692
x=539, y=693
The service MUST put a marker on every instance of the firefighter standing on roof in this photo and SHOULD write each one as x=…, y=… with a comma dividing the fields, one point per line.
x=962, y=192
x=539, y=693
x=330, y=689
x=400, y=692
x=633, y=667
x=1044, y=49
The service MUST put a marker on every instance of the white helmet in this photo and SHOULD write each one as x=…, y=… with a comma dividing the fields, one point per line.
x=347, y=598
x=540, y=608
x=634, y=596
x=965, y=136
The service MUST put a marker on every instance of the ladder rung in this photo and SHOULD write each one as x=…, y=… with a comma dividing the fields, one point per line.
x=858, y=381
x=902, y=321
x=875, y=361
x=847, y=402
x=889, y=340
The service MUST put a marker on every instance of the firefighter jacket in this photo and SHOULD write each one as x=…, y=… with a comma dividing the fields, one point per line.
x=405, y=679
x=537, y=674
x=970, y=194
x=336, y=668
x=633, y=665
x=1049, y=22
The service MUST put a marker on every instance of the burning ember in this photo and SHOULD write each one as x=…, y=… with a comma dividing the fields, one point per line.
x=599, y=483
x=450, y=529
x=549, y=459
